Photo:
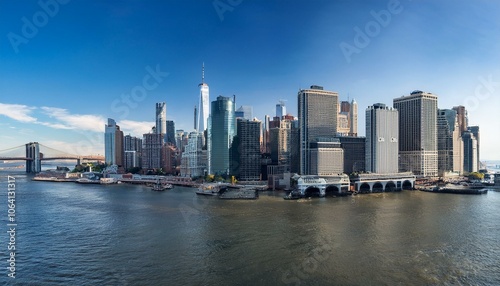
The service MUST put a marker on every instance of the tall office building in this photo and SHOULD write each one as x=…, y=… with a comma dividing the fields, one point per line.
x=151, y=150
x=180, y=140
x=264, y=148
x=195, y=118
x=193, y=164
x=113, y=144
x=326, y=157
x=353, y=118
x=280, y=109
x=354, y=153
x=418, y=133
x=245, y=150
x=245, y=112
x=161, y=120
x=462, y=118
x=203, y=109
x=470, y=152
x=171, y=132
x=475, y=130
x=382, y=133
x=133, y=150
x=450, y=143
x=221, y=131
x=347, y=119
x=281, y=142
x=318, y=111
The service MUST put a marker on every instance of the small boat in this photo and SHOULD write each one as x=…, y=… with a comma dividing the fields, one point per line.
x=161, y=187
x=292, y=196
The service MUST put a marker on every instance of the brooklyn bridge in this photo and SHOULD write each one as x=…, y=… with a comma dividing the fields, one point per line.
x=34, y=153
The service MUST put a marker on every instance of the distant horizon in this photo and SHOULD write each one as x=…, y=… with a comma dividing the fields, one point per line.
x=63, y=75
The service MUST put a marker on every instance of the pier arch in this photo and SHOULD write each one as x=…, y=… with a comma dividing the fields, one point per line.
x=377, y=187
x=407, y=185
x=390, y=186
x=364, y=188
x=312, y=191
x=331, y=191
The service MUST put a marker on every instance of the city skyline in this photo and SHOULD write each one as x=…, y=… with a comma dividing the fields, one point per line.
x=60, y=86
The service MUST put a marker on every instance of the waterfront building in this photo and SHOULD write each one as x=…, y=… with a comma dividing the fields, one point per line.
x=113, y=144
x=321, y=186
x=192, y=163
x=470, y=152
x=450, y=143
x=382, y=133
x=418, y=133
x=245, y=151
x=280, y=109
x=354, y=153
x=318, y=111
x=326, y=157
x=369, y=183
x=133, y=150
x=204, y=105
x=171, y=132
x=245, y=112
x=151, y=150
x=221, y=131
x=161, y=119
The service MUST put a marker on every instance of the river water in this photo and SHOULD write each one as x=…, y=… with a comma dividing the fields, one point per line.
x=70, y=234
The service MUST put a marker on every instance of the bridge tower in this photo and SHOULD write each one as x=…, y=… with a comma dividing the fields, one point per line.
x=33, y=162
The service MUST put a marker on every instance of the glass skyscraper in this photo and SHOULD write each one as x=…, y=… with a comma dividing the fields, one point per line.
x=161, y=120
x=113, y=143
x=221, y=130
x=203, y=109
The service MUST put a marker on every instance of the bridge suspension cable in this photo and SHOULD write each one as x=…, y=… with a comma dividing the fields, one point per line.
x=10, y=149
x=58, y=152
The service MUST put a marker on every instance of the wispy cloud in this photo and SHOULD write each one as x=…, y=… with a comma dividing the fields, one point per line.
x=18, y=112
x=135, y=128
x=67, y=120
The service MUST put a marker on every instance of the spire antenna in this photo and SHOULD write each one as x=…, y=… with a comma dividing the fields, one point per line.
x=203, y=73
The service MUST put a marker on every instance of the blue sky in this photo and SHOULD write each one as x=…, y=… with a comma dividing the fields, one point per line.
x=60, y=82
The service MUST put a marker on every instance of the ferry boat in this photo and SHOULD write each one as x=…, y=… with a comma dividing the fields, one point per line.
x=108, y=181
x=87, y=181
x=210, y=189
x=473, y=189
